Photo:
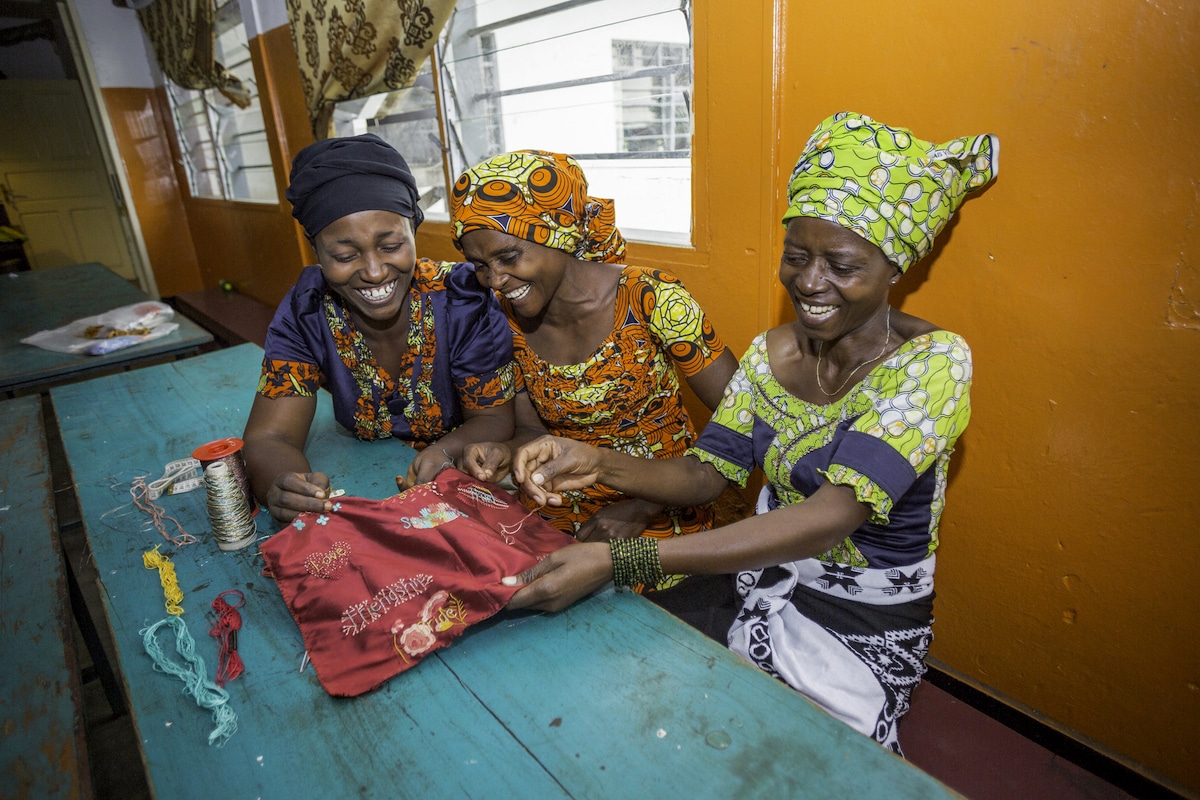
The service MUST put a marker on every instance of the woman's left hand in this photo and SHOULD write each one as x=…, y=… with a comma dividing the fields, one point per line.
x=562, y=577
x=426, y=466
x=625, y=519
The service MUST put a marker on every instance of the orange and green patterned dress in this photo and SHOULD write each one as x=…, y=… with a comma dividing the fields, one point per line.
x=626, y=396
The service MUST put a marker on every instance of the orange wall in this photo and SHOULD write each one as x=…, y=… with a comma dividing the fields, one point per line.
x=1064, y=581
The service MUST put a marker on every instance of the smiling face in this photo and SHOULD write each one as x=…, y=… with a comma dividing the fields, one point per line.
x=837, y=280
x=367, y=258
x=527, y=274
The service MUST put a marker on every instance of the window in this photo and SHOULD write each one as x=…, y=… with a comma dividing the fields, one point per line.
x=654, y=112
x=606, y=81
x=225, y=152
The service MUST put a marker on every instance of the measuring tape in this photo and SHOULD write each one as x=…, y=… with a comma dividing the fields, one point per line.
x=178, y=477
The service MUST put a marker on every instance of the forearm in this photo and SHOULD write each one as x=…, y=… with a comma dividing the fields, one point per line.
x=683, y=481
x=478, y=428
x=267, y=458
x=804, y=530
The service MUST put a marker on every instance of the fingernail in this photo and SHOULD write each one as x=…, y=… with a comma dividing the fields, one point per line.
x=511, y=581
x=538, y=479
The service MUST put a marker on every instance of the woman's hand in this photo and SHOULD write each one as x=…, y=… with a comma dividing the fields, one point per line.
x=426, y=466
x=625, y=519
x=562, y=577
x=487, y=461
x=551, y=464
x=293, y=493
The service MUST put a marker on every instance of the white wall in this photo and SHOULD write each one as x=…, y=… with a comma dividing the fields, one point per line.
x=121, y=55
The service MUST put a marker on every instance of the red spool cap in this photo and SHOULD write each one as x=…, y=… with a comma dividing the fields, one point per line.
x=215, y=451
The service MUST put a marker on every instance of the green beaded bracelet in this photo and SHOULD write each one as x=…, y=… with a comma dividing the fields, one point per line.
x=635, y=561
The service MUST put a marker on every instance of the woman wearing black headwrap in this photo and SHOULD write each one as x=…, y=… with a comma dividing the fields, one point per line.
x=411, y=349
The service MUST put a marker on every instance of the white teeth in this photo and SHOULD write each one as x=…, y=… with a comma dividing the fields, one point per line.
x=378, y=292
x=517, y=294
x=817, y=310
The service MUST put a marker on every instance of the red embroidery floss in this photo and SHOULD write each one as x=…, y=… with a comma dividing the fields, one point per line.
x=225, y=631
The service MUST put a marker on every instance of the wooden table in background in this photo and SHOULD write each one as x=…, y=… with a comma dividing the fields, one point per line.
x=50, y=298
x=610, y=698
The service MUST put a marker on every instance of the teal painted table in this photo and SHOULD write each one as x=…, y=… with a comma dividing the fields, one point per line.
x=612, y=697
x=50, y=298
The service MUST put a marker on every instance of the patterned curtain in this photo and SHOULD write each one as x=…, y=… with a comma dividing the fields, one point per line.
x=183, y=37
x=355, y=48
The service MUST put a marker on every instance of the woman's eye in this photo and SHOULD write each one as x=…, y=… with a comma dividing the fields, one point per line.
x=346, y=258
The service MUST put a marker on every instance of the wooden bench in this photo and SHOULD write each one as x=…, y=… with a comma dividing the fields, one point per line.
x=232, y=318
x=42, y=748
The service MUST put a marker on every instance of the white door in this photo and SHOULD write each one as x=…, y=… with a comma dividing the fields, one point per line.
x=53, y=178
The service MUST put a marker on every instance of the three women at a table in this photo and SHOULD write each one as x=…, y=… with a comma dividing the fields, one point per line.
x=408, y=348
x=599, y=345
x=851, y=411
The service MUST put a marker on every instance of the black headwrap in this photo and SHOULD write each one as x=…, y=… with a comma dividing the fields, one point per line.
x=336, y=177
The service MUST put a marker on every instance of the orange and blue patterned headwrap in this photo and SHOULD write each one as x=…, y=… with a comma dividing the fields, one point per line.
x=540, y=197
x=891, y=188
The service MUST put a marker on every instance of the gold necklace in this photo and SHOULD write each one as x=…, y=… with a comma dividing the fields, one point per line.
x=882, y=350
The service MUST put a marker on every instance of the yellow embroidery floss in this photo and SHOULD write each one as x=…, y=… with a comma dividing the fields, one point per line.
x=152, y=559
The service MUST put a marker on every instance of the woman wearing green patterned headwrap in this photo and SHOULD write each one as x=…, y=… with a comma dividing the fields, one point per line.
x=851, y=412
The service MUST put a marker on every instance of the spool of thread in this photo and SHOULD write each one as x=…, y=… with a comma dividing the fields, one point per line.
x=228, y=513
x=228, y=450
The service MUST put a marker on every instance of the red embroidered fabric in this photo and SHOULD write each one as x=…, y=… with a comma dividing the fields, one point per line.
x=377, y=585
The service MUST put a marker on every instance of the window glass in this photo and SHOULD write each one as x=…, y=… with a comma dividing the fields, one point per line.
x=225, y=152
x=606, y=81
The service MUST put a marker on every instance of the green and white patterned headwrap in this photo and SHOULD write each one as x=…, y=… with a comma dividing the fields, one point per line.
x=891, y=188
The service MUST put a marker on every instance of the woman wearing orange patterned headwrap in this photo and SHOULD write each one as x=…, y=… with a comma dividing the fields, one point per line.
x=598, y=345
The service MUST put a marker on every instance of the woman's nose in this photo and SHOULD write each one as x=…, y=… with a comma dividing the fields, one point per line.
x=495, y=278
x=811, y=277
x=375, y=267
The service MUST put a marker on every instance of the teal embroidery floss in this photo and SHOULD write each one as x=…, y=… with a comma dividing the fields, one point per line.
x=192, y=672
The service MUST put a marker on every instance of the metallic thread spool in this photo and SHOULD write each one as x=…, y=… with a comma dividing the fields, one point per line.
x=228, y=512
x=228, y=450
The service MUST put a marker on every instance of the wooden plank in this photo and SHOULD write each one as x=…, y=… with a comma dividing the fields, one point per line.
x=630, y=701
x=42, y=750
x=234, y=317
x=48, y=299
x=610, y=697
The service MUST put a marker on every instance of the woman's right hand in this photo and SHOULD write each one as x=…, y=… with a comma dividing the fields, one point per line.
x=562, y=577
x=487, y=461
x=293, y=493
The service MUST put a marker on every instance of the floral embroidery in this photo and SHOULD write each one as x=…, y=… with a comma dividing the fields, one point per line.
x=442, y=612
x=322, y=520
x=337, y=506
x=298, y=524
x=329, y=564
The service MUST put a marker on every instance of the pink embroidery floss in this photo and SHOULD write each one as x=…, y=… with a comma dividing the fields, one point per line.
x=141, y=498
x=225, y=631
